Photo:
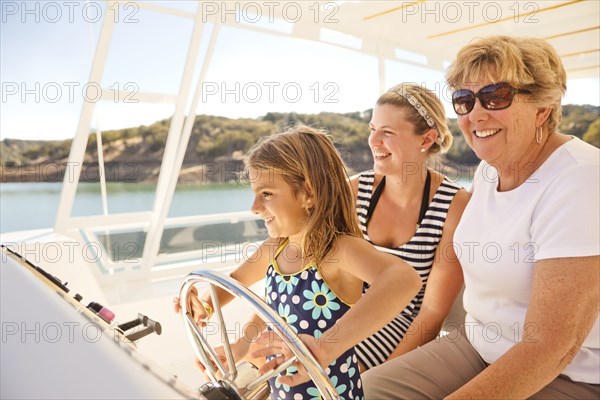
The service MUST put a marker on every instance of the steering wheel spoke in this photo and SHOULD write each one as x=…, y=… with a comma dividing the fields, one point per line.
x=201, y=347
x=274, y=372
x=232, y=373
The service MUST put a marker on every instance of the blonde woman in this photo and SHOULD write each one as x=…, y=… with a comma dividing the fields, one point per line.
x=407, y=209
x=532, y=328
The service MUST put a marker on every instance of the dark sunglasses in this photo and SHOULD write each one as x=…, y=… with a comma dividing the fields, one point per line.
x=496, y=96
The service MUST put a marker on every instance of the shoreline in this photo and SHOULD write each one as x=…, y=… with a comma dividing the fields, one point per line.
x=217, y=172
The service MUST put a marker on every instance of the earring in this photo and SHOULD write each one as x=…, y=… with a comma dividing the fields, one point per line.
x=539, y=134
x=422, y=149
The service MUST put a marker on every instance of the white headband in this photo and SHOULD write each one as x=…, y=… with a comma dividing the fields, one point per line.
x=415, y=103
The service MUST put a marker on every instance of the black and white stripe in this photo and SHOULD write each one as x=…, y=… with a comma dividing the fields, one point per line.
x=419, y=252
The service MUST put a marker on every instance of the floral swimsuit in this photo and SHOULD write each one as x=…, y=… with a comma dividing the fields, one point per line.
x=309, y=306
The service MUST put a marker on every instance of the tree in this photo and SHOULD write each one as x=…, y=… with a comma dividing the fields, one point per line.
x=592, y=135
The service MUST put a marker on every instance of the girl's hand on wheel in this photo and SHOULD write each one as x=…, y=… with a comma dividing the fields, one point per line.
x=200, y=310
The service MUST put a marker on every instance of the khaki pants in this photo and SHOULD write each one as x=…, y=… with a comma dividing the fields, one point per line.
x=442, y=366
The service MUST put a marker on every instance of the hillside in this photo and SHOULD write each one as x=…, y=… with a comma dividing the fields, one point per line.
x=217, y=146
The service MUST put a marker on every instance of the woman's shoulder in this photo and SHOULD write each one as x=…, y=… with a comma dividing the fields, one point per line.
x=361, y=176
x=579, y=152
x=444, y=184
x=454, y=193
x=572, y=160
x=354, y=180
x=365, y=178
x=457, y=205
x=460, y=200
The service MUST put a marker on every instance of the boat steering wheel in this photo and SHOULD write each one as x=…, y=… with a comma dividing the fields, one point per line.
x=243, y=382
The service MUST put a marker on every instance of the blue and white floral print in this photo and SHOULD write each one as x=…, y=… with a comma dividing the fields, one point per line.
x=339, y=388
x=290, y=319
x=286, y=283
x=320, y=300
x=268, y=284
x=309, y=306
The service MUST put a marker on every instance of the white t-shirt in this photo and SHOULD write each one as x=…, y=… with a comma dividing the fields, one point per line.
x=555, y=213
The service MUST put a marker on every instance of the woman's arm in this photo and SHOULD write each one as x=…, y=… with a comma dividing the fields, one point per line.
x=563, y=309
x=444, y=283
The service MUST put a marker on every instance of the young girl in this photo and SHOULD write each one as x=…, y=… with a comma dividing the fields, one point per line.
x=315, y=260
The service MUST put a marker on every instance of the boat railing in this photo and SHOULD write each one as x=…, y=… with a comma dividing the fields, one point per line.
x=215, y=241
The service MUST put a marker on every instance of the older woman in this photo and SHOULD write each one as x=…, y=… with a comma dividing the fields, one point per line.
x=407, y=209
x=528, y=242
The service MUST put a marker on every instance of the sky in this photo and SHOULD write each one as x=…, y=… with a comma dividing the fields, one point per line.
x=46, y=51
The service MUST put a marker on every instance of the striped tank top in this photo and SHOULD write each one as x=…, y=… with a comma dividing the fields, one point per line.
x=419, y=252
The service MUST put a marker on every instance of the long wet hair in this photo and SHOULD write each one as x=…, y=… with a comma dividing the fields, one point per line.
x=308, y=161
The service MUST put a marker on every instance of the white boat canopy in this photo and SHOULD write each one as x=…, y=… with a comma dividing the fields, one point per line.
x=421, y=33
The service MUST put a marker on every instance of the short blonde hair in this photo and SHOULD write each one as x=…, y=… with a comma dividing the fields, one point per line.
x=431, y=103
x=308, y=161
x=526, y=63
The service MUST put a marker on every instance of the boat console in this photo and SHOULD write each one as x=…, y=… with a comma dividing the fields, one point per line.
x=56, y=346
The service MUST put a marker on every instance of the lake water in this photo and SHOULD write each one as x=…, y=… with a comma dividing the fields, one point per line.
x=26, y=206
